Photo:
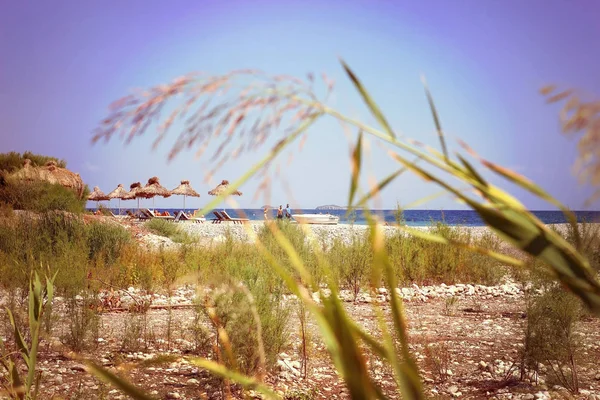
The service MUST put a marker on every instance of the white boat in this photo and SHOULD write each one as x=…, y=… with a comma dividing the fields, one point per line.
x=323, y=219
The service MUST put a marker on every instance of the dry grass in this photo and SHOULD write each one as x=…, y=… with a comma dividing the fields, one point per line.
x=240, y=116
x=579, y=116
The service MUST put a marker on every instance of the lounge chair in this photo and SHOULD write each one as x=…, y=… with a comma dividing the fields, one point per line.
x=197, y=217
x=234, y=220
x=218, y=218
x=181, y=216
x=146, y=213
x=131, y=215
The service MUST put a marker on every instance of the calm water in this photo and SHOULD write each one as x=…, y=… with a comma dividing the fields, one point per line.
x=412, y=217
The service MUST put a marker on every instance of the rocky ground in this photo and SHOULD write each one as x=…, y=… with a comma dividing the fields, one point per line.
x=477, y=335
x=474, y=332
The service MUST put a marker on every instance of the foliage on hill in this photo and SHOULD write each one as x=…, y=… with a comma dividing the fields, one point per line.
x=13, y=161
x=37, y=195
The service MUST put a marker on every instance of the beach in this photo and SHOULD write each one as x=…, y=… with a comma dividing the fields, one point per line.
x=208, y=233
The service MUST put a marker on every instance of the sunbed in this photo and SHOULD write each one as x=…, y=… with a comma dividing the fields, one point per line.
x=149, y=214
x=234, y=220
x=181, y=216
x=218, y=218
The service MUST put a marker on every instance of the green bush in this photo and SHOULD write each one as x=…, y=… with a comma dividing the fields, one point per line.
x=229, y=307
x=351, y=262
x=41, y=197
x=421, y=261
x=57, y=242
x=297, y=238
x=107, y=240
x=552, y=319
x=13, y=161
x=589, y=244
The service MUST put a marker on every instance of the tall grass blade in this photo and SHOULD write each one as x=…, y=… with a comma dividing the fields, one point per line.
x=347, y=356
x=18, y=337
x=362, y=202
x=369, y=101
x=356, y=165
x=246, y=382
x=407, y=372
x=472, y=171
x=119, y=383
x=436, y=119
x=532, y=187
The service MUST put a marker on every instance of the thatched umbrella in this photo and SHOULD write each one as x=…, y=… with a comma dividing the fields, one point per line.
x=134, y=189
x=51, y=173
x=221, y=188
x=152, y=189
x=97, y=195
x=119, y=193
x=185, y=189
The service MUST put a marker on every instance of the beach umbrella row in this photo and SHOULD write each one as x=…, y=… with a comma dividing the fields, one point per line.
x=152, y=189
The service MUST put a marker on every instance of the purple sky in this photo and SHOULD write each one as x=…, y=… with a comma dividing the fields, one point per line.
x=63, y=62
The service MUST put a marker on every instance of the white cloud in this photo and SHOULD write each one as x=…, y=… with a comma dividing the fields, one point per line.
x=91, y=167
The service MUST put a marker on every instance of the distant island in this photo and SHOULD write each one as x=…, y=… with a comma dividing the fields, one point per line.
x=263, y=207
x=331, y=207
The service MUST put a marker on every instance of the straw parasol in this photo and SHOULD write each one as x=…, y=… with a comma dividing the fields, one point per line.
x=50, y=173
x=185, y=189
x=152, y=189
x=134, y=188
x=97, y=195
x=119, y=193
x=221, y=188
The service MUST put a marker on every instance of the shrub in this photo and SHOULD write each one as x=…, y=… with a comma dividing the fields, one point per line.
x=13, y=161
x=297, y=238
x=107, y=240
x=52, y=240
x=424, y=262
x=549, y=336
x=352, y=262
x=233, y=312
x=41, y=197
x=589, y=246
x=399, y=215
x=438, y=359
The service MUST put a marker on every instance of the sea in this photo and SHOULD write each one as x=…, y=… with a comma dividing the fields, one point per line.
x=411, y=217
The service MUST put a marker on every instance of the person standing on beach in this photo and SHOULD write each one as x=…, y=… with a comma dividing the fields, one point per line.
x=266, y=210
x=288, y=212
x=280, y=213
